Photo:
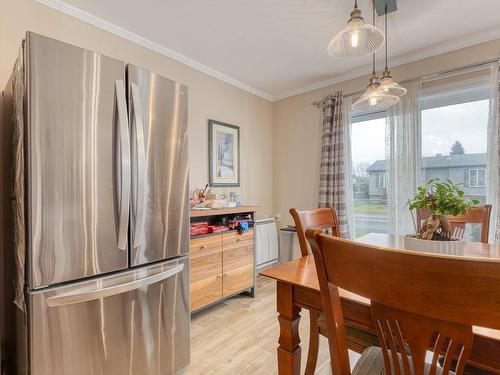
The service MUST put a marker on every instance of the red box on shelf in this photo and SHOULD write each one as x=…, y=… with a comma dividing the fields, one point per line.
x=199, y=230
x=200, y=224
x=216, y=228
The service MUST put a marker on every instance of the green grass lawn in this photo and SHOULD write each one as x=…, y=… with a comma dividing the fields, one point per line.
x=371, y=208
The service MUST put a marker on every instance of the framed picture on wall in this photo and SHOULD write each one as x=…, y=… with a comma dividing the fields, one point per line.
x=224, y=154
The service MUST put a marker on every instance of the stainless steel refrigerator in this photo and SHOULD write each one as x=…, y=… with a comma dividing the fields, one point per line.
x=106, y=215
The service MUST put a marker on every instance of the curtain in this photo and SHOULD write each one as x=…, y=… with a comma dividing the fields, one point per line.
x=335, y=161
x=493, y=190
x=403, y=158
x=349, y=194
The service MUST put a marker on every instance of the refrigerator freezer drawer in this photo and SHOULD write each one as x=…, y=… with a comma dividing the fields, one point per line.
x=136, y=322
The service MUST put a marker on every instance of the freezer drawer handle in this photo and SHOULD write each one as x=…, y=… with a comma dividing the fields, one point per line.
x=125, y=164
x=140, y=188
x=84, y=296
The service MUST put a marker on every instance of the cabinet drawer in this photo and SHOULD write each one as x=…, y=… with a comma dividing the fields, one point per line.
x=233, y=239
x=237, y=262
x=204, y=246
x=206, y=271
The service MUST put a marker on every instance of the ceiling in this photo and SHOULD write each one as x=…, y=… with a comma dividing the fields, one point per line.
x=277, y=48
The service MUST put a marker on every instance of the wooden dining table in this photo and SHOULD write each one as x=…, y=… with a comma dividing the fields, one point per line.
x=298, y=288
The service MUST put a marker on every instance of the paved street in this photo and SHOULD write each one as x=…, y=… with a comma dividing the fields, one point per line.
x=367, y=223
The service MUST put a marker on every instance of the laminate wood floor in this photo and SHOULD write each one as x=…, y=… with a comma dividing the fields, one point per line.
x=240, y=336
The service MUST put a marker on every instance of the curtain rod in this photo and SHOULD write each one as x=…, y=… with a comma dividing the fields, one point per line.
x=423, y=77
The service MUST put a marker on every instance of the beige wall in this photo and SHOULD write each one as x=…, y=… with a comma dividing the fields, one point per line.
x=297, y=125
x=208, y=98
x=280, y=141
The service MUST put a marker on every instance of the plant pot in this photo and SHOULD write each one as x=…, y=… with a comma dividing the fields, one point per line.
x=454, y=246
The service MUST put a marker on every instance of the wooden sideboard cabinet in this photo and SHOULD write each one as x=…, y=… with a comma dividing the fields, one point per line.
x=221, y=264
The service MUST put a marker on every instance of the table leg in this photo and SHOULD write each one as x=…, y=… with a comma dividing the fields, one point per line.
x=289, y=351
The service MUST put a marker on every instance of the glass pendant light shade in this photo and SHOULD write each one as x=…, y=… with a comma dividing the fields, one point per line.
x=388, y=85
x=374, y=98
x=358, y=39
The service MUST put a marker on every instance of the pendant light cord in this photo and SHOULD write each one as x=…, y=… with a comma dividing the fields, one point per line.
x=373, y=57
x=355, y=4
x=386, y=38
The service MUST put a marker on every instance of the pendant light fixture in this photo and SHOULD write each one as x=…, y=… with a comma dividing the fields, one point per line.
x=358, y=39
x=387, y=84
x=374, y=99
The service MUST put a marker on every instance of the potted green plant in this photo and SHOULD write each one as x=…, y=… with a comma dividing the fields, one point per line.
x=442, y=199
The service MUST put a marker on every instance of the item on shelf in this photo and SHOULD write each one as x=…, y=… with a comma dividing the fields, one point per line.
x=200, y=224
x=217, y=203
x=235, y=198
x=199, y=228
x=242, y=226
x=216, y=228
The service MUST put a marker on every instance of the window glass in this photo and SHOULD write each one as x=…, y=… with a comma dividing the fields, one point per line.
x=368, y=160
x=454, y=147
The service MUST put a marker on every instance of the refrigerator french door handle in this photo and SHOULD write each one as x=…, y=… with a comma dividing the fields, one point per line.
x=89, y=295
x=140, y=191
x=124, y=163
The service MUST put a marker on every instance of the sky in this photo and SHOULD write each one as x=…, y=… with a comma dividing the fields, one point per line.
x=441, y=127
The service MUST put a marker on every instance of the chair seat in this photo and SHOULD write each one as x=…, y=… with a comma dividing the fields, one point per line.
x=372, y=363
x=357, y=339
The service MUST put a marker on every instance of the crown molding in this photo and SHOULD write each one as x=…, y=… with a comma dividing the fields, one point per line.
x=435, y=50
x=144, y=42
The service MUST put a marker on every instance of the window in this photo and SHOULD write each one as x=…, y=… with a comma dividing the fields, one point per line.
x=368, y=160
x=455, y=138
x=477, y=177
x=381, y=180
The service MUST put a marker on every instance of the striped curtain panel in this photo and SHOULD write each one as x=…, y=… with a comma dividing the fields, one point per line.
x=334, y=161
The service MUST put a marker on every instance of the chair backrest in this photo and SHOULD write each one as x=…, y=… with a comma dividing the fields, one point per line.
x=477, y=215
x=318, y=218
x=418, y=301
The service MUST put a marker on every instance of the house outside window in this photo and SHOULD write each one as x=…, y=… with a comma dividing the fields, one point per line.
x=477, y=177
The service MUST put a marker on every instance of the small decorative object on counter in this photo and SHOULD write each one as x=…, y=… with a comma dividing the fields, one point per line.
x=200, y=197
x=235, y=198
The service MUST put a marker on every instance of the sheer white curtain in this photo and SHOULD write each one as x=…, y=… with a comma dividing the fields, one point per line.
x=403, y=158
x=493, y=193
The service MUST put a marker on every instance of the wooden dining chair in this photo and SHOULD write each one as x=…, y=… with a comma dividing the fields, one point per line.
x=418, y=303
x=317, y=218
x=476, y=215
x=322, y=219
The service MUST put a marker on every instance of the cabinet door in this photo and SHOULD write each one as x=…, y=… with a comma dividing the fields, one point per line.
x=237, y=262
x=206, y=270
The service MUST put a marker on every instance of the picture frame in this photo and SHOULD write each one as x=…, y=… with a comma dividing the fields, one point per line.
x=224, y=154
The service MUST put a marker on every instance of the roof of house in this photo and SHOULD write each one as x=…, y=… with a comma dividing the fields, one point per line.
x=441, y=161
